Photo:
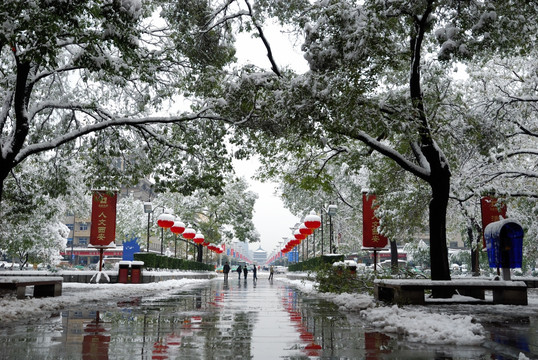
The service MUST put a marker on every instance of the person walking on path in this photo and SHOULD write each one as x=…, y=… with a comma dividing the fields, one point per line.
x=226, y=270
x=254, y=272
x=245, y=271
x=239, y=271
x=271, y=272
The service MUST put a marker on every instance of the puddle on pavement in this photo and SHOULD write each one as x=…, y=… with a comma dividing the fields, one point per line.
x=239, y=320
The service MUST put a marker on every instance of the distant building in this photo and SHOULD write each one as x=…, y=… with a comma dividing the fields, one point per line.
x=259, y=256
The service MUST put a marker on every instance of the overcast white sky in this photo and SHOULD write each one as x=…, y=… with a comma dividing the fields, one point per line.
x=271, y=219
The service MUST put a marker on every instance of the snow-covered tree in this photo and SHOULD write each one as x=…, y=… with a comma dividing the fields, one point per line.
x=109, y=74
x=337, y=183
x=502, y=97
x=219, y=217
x=32, y=228
x=380, y=76
x=131, y=221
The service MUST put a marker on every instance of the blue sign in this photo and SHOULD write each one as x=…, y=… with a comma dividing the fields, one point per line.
x=293, y=256
x=130, y=248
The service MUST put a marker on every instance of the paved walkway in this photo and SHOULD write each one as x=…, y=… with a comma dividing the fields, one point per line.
x=217, y=320
x=272, y=320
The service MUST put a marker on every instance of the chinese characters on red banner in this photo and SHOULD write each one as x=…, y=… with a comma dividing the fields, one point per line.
x=371, y=238
x=103, y=229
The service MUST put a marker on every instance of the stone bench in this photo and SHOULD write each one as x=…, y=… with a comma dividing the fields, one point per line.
x=413, y=291
x=43, y=285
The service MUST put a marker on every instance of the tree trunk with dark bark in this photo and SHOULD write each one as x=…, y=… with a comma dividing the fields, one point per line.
x=393, y=257
x=199, y=253
x=440, y=185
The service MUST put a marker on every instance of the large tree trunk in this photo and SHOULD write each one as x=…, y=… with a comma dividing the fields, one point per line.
x=394, y=268
x=440, y=185
x=15, y=141
x=199, y=253
x=3, y=176
x=439, y=178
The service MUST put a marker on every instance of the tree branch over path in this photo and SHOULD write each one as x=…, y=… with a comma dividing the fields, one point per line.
x=37, y=148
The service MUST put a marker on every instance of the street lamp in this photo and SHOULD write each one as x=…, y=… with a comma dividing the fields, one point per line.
x=312, y=222
x=165, y=221
x=331, y=211
x=148, y=210
x=177, y=228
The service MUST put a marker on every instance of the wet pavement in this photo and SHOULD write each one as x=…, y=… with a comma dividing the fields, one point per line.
x=243, y=320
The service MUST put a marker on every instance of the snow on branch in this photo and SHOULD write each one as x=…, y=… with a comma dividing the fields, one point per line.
x=419, y=171
x=274, y=66
x=517, y=152
x=37, y=148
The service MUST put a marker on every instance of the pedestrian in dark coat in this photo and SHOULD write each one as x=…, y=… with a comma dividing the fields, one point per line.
x=271, y=272
x=254, y=272
x=239, y=271
x=245, y=271
x=226, y=270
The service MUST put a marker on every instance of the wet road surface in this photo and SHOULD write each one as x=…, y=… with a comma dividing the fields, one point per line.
x=237, y=320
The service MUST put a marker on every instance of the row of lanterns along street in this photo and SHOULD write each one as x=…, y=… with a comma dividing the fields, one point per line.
x=177, y=227
x=311, y=222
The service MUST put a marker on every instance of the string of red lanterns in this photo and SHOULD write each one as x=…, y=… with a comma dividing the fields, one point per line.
x=176, y=226
x=311, y=222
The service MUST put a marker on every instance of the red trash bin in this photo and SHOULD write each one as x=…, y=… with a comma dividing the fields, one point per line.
x=123, y=275
x=136, y=271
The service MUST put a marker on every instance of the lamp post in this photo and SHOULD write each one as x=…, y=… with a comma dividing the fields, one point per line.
x=312, y=222
x=331, y=210
x=148, y=209
x=177, y=228
x=73, y=240
x=165, y=220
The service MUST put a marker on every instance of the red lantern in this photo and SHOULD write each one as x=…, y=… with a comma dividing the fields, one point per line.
x=178, y=227
x=205, y=243
x=312, y=221
x=189, y=233
x=293, y=243
x=304, y=230
x=198, y=238
x=165, y=220
x=298, y=235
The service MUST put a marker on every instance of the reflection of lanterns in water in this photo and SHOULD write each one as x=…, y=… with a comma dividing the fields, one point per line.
x=306, y=336
x=160, y=350
x=174, y=345
x=173, y=340
x=312, y=349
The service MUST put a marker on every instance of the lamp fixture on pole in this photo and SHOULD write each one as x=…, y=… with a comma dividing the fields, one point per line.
x=331, y=211
x=148, y=209
x=165, y=221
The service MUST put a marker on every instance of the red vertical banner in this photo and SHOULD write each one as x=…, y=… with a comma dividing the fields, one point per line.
x=492, y=210
x=103, y=230
x=371, y=238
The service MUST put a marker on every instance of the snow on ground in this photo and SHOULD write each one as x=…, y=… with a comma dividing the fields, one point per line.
x=416, y=323
x=429, y=328
x=12, y=309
